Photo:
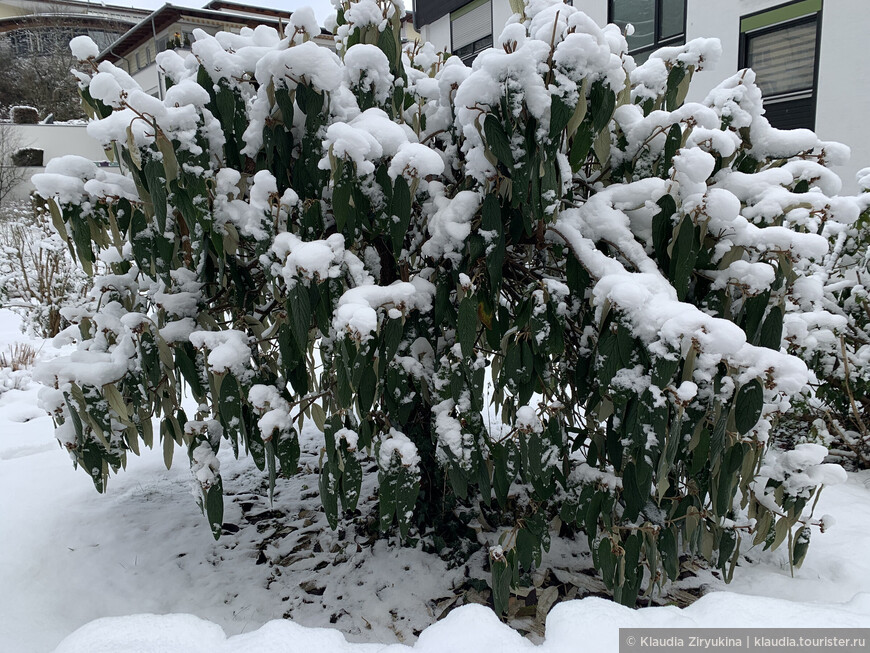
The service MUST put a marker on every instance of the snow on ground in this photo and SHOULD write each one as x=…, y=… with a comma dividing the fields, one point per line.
x=69, y=556
x=591, y=624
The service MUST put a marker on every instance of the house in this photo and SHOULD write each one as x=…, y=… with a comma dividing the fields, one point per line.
x=809, y=55
x=39, y=30
x=130, y=38
x=32, y=26
x=172, y=26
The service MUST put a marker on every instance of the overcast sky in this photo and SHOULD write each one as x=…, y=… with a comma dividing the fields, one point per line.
x=322, y=8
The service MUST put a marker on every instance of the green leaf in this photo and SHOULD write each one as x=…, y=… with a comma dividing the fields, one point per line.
x=498, y=142
x=156, y=179
x=502, y=575
x=287, y=450
x=351, y=479
x=491, y=222
x=185, y=357
x=580, y=146
x=601, y=146
x=367, y=388
x=667, y=545
x=342, y=209
x=754, y=309
x=387, y=499
x=602, y=102
x=672, y=144
x=271, y=465
x=771, y=330
x=328, y=483
x=407, y=490
x=170, y=162
x=230, y=405
x=401, y=211
x=299, y=312
x=560, y=114
x=675, y=78
x=801, y=546
x=683, y=257
x=392, y=338
x=168, y=443
x=663, y=228
x=606, y=561
x=214, y=507
x=727, y=542
x=608, y=362
x=748, y=406
x=526, y=544
x=387, y=43
x=344, y=392
x=466, y=325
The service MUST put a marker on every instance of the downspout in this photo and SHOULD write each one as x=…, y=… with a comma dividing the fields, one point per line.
x=159, y=81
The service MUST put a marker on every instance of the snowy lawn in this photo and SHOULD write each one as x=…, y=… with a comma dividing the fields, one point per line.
x=69, y=556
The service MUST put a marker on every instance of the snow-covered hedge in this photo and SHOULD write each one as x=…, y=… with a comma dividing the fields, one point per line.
x=835, y=341
x=38, y=275
x=543, y=289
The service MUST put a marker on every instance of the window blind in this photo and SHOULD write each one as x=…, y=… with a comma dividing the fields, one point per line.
x=784, y=60
x=472, y=25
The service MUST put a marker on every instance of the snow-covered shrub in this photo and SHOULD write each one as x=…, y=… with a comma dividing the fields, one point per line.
x=24, y=115
x=28, y=157
x=830, y=330
x=404, y=250
x=16, y=364
x=38, y=275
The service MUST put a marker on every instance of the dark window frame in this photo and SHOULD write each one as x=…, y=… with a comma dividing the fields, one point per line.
x=658, y=41
x=743, y=53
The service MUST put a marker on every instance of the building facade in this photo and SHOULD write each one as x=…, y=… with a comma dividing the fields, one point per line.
x=808, y=55
x=171, y=27
x=34, y=27
x=135, y=38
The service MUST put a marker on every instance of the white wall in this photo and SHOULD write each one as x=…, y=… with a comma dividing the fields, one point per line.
x=595, y=9
x=843, y=106
x=501, y=11
x=438, y=33
x=148, y=79
x=55, y=141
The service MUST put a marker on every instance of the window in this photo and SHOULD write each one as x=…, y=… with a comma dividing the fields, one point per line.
x=657, y=23
x=139, y=65
x=471, y=29
x=782, y=46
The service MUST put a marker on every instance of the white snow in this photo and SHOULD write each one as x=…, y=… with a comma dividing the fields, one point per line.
x=227, y=350
x=397, y=444
x=590, y=624
x=83, y=48
x=133, y=557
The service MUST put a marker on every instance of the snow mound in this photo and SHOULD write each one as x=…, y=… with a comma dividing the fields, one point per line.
x=468, y=629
